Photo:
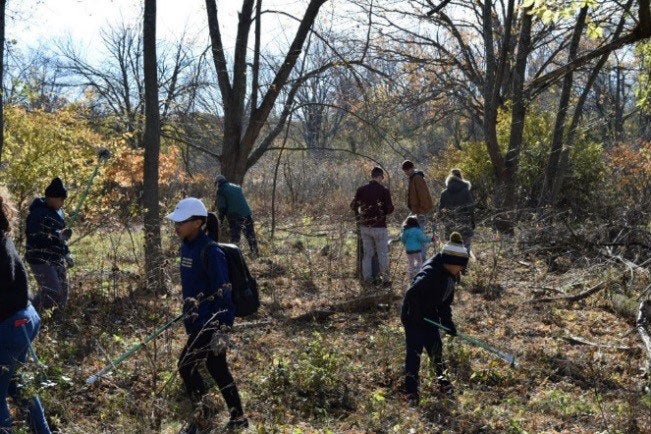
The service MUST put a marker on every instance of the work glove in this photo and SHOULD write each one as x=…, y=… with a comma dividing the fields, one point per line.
x=191, y=309
x=70, y=262
x=66, y=234
x=451, y=327
x=220, y=341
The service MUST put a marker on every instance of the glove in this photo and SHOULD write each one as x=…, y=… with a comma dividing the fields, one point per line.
x=70, y=262
x=451, y=327
x=220, y=341
x=191, y=309
x=66, y=234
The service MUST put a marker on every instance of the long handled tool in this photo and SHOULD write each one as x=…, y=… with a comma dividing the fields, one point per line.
x=103, y=155
x=135, y=348
x=509, y=358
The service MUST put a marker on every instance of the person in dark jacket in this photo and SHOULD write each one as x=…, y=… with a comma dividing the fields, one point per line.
x=209, y=314
x=19, y=325
x=457, y=207
x=47, y=252
x=371, y=205
x=232, y=205
x=419, y=199
x=430, y=296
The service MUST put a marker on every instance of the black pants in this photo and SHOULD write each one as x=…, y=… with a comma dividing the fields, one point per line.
x=198, y=350
x=417, y=339
x=237, y=225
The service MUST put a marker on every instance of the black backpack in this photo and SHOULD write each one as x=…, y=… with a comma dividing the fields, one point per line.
x=244, y=287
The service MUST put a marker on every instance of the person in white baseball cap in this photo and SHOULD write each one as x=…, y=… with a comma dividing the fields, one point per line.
x=208, y=311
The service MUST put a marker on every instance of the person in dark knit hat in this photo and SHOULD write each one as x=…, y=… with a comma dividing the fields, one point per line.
x=47, y=252
x=430, y=296
x=19, y=325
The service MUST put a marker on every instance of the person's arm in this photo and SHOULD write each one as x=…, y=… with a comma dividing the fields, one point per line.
x=222, y=205
x=6, y=264
x=218, y=277
x=424, y=239
x=388, y=209
x=424, y=197
x=41, y=234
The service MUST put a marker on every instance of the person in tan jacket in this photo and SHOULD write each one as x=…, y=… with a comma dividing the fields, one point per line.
x=419, y=199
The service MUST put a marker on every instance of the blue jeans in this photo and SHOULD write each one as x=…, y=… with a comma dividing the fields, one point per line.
x=238, y=224
x=417, y=339
x=14, y=343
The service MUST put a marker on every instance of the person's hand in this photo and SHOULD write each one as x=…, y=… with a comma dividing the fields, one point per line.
x=70, y=262
x=66, y=234
x=451, y=329
x=434, y=238
x=191, y=309
x=220, y=341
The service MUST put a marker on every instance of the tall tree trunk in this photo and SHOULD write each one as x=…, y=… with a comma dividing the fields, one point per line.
x=491, y=91
x=153, y=251
x=240, y=133
x=559, y=125
x=519, y=111
x=3, y=4
x=578, y=111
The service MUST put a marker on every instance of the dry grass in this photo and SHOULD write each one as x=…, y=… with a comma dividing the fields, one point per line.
x=343, y=374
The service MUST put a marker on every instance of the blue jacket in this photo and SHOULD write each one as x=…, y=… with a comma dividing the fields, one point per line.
x=429, y=296
x=414, y=238
x=231, y=201
x=205, y=279
x=43, y=230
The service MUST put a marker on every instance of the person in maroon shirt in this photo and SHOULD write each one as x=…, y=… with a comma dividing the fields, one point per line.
x=371, y=204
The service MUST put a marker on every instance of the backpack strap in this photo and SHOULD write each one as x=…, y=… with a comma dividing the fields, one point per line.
x=204, y=254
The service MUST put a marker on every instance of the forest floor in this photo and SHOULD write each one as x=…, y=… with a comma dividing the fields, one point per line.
x=342, y=371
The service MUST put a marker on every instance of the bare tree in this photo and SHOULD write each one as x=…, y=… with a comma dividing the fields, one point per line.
x=116, y=87
x=242, y=129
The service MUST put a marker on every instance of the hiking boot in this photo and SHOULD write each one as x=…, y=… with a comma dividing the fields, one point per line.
x=237, y=423
x=445, y=386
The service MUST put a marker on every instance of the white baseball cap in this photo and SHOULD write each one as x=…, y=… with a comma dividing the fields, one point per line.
x=186, y=208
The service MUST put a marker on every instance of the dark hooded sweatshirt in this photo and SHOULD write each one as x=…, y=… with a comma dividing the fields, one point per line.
x=458, y=199
x=429, y=296
x=44, y=242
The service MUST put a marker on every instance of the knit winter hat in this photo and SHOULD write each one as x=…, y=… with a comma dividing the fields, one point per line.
x=454, y=252
x=56, y=189
x=220, y=178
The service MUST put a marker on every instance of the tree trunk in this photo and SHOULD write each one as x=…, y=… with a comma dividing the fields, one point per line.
x=578, y=111
x=490, y=91
x=240, y=133
x=559, y=126
x=153, y=251
x=519, y=111
x=3, y=4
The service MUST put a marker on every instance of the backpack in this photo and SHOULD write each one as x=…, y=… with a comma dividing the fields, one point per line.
x=244, y=287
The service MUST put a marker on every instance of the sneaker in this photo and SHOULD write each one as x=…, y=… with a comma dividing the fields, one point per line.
x=238, y=423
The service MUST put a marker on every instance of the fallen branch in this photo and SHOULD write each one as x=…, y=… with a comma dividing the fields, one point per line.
x=571, y=298
x=577, y=340
x=642, y=325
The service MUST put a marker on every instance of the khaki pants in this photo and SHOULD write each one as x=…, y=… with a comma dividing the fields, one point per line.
x=374, y=240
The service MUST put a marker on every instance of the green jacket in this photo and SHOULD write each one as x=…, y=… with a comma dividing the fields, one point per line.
x=231, y=201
